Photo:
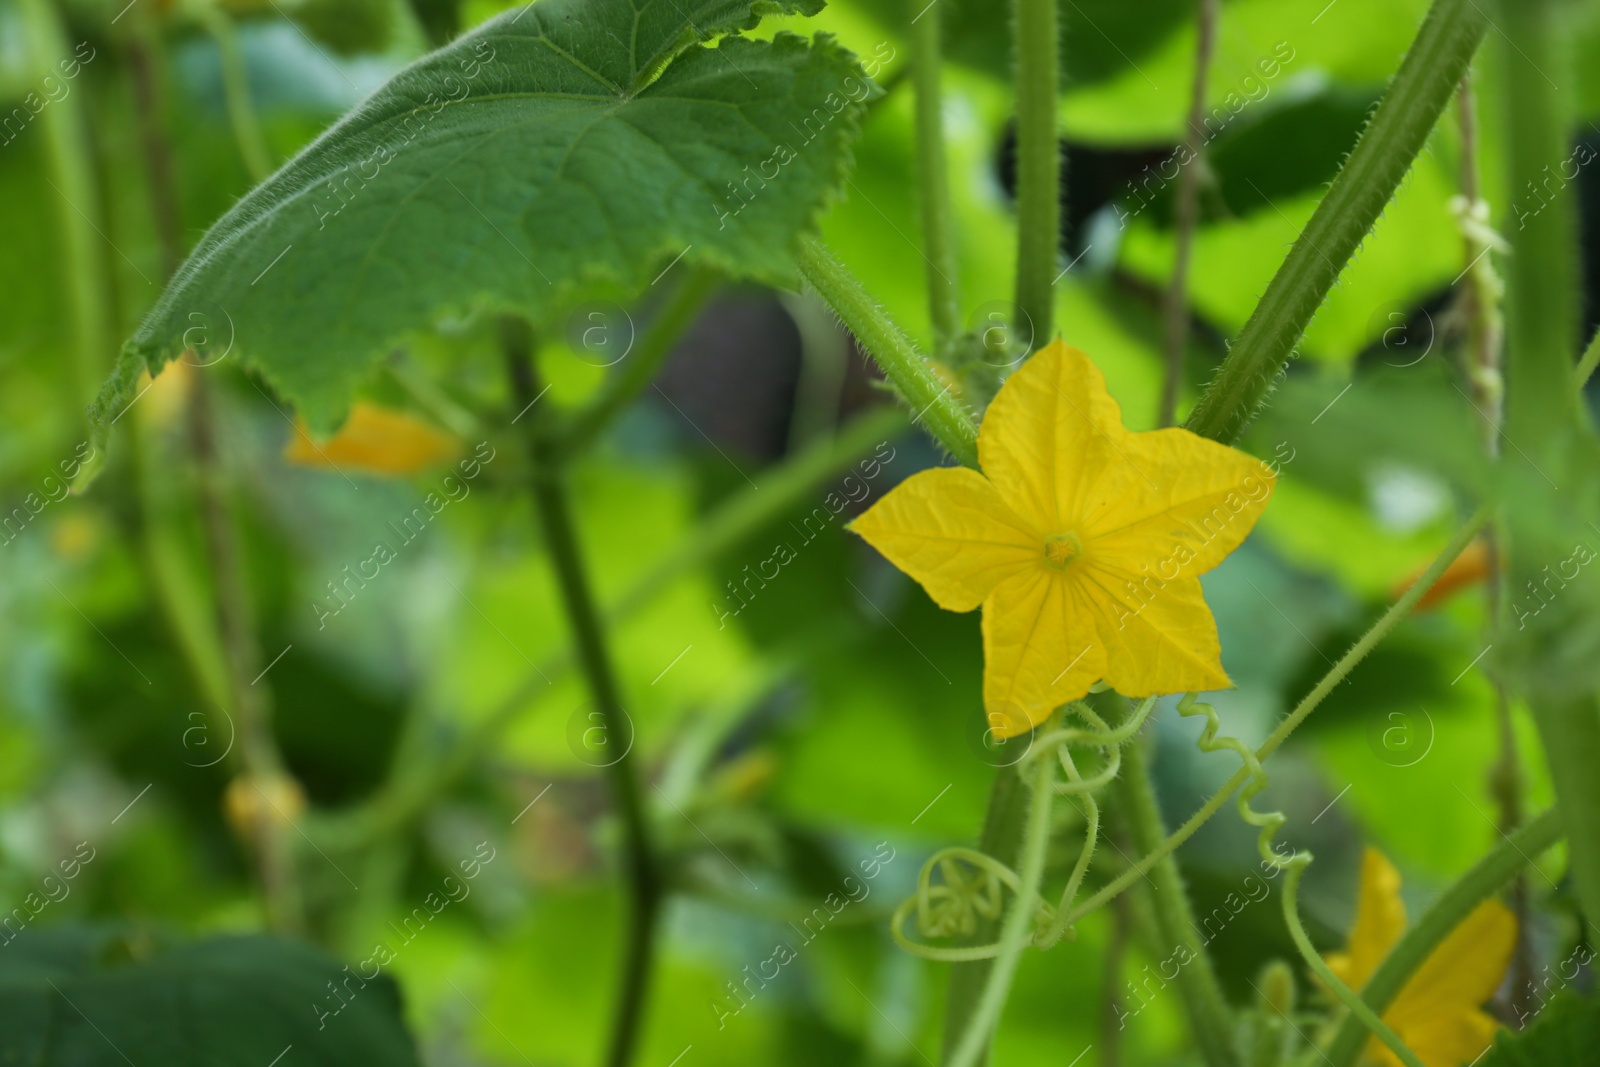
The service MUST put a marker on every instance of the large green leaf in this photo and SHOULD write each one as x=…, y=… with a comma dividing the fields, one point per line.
x=566, y=144
x=74, y=997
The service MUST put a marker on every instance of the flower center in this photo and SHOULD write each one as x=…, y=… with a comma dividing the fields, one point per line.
x=1061, y=549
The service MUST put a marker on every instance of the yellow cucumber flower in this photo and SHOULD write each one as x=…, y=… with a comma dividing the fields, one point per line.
x=376, y=440
x=1437, y=1012
x=1083, y=541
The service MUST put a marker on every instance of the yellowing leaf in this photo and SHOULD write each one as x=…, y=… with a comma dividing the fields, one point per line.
x=377, y=440
x=1083, y=542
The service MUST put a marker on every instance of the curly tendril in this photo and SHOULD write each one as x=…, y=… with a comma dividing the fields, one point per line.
x=1293, y=865
x=972, y=883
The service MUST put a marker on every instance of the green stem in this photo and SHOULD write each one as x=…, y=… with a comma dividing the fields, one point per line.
x=1544, y=415
x=1038, y=45
x=1399, y=128
x=1446, y=913
x=1001, y=838
x=1329, y=682
x=933, y=178
x=410, y=790
x=1360, y=1011
x=77, y=203
x=259, y=760
x=640, y=367
x=1017, y=927
x=944, y=416
x=645, y=885
x=1590, y=360
x=236, y=93
x=1210, y=1019
x=1175, y=302
x=1542, y=272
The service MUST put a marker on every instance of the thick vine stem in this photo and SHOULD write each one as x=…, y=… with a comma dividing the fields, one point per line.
x=1514, y=852
x=933, y=177
x=1399, y=128
x=1543, y=413
x=1037, y=45
x=946, y=417
x=646, y=887
x=1205, y=1008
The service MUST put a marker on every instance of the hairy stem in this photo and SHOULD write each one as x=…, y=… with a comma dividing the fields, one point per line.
x=1205, y=1008
x=1175, y=301
x=1480, y=298
x=1487, y=876
x=1415, y=98
x=1362, y=1013
x=640, y=861
x=933, y=178
x=944, y=416
x=1037, y=45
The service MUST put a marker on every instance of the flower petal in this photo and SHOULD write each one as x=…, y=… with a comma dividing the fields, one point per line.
x=949, y=529
x=1040, y=650
x=1178, y=502
x=1380, y=920
x=1160, y=637
x=1464, y=969
x=1456, y=1039
x=1051, y=433
x=377, y=440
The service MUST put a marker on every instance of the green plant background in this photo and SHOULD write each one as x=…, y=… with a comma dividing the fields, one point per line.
x=787, y=744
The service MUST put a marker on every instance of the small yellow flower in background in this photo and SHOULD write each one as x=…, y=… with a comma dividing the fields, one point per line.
x=1437, y=1012
x=1083, y=542
x=377, y=440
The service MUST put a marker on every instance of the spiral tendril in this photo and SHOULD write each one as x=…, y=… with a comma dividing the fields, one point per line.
x=1294, y=865
x=972, y=883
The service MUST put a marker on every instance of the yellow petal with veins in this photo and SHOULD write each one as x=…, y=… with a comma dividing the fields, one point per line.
x=1050, y=435
x=950, y=530
x=1083, y=542
x=1040, y=650
x=1176, y=503
x=1159, y=637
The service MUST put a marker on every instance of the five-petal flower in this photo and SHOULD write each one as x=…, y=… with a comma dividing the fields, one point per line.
x=1083, y=542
